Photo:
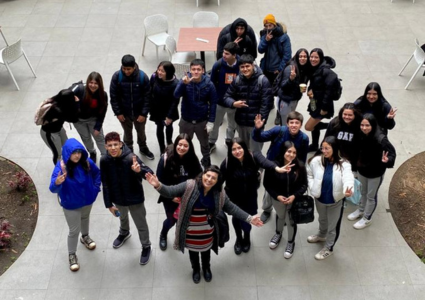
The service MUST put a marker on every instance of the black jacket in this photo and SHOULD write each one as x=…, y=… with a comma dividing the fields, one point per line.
x=369, y=163
x=322, y=82
x=259, y=99
x=173, y=174
x=162, y=102
x=248, y=44
x=380, y=109
x=289, y=90
x=121, y=185
x=242, y=182
x=285, y=184
x=130, y=98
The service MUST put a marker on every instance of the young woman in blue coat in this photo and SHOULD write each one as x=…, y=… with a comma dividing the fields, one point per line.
x=76, y=179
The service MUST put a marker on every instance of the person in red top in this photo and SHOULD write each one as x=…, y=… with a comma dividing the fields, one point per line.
x=93, y=102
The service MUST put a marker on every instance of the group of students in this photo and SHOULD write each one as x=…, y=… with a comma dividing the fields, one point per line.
x=355, y=145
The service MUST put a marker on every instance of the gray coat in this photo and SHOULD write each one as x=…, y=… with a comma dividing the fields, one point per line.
x=189, y=191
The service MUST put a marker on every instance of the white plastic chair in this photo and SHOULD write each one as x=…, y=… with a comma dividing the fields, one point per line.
x=205, y=19
x=11, y=53
x=419, y=56
x=178, y=57
x=156, y=31
x=218, y=2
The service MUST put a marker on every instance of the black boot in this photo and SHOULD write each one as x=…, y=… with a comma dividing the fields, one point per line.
x=196, y=267
x=246, y=244
x=206, y=257
x=238, y=247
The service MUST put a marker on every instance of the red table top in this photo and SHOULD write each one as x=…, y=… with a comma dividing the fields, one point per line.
x=187, y=39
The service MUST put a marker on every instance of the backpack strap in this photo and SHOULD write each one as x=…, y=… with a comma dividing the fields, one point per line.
x=141, y=77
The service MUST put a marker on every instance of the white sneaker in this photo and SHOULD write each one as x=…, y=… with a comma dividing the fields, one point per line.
x=355, y=215
x=323, y=254
x=362, y=223
x=315, y=239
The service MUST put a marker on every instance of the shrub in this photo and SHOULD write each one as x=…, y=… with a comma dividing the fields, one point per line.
x=22, y=181
x=5, y=234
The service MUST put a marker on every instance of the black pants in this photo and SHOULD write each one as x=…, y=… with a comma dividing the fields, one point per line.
x=205, y=258
x=169, y=207
x=160, y=134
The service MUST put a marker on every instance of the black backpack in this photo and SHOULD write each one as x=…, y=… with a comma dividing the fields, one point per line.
x=336, y=87
x=276, y=84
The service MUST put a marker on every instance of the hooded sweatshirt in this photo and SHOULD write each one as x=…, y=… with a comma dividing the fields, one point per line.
x=82, y=188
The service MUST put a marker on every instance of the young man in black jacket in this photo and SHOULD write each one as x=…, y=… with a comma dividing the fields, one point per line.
x=129, y=93
x=122, y=173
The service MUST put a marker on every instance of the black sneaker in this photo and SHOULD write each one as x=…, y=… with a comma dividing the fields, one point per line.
x=275, y=240
x=163, y=242
x=120, y=240
x=146, y=255
x=212, y=147
x=238, y=247
x=289, y=250
x=149, y=155
x=265, y=216
x=277, y=120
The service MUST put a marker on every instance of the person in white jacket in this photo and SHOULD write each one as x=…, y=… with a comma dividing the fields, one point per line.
x=330, y=180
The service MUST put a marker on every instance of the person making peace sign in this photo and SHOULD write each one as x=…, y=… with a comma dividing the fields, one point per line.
x=375, y=156
x=122, y=173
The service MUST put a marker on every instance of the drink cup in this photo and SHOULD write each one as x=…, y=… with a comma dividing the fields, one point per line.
x=303, y=87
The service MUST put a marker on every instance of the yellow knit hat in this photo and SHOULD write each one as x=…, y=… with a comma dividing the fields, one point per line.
x=269, y=19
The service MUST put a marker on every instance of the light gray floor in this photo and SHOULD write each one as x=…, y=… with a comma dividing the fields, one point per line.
x=65, y=40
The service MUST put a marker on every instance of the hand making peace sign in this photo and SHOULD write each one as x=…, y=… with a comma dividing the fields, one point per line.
x=135, y=166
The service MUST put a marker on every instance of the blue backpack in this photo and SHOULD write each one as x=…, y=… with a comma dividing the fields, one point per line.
x=141, y=77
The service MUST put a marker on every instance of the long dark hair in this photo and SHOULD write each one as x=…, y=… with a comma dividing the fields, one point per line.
x=356, y=112
x=100, y=93
x=65, y=104
x=336, y=157
x=233, y=162
x=213, y=168
x=280, y=159
x=320, y=54
x=174, y=160
x=169, y=69
x=71, y=166
x=375, y=131
x=295, y=61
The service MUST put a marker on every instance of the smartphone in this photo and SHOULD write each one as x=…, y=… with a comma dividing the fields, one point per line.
x=117, y=213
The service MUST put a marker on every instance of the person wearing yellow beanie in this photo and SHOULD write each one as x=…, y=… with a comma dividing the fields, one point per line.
x=269, y=19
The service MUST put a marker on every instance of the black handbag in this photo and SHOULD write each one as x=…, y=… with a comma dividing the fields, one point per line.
x=223, y=229
x=302, y=210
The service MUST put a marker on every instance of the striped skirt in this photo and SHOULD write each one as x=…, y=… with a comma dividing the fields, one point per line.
x=199, y=234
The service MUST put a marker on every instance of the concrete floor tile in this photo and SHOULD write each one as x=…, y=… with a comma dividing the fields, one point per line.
x=22, y=294
x=194, y=292
x=47, y=235
x=399, y=292
x=420, y=292
x=72, y=21
x=340, y=268
x=284, y=292
x=382, y=266
x=271, y=268
x=32, y=272
x=336, y=293
x=414, y=265
x=229, y=293
x=71, y=294
x=92, y=265
x=123, y=269
x=130, y=294
x=47, y=8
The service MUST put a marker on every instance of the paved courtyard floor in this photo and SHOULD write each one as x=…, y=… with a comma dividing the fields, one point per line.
x=67, y=39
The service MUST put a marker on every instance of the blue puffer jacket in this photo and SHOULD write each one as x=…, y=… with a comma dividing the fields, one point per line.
x=82, y=188
x=259, y=99
x=199, y=100
x=277, y=51
x=129, y=97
